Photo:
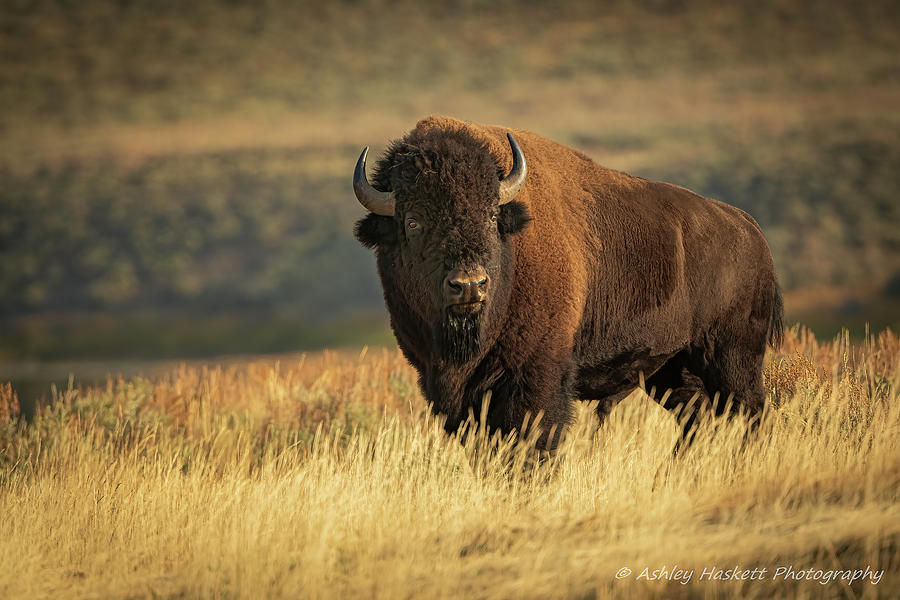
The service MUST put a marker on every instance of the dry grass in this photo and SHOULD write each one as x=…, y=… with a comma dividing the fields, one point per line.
x=327, y=478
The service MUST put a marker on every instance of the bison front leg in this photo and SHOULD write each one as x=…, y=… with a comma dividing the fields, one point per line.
x=536, y=400
x=536, y=397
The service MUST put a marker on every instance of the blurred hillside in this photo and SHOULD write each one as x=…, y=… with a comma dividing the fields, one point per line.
x=174, y=177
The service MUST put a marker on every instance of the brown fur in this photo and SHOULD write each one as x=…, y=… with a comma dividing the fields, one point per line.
x=614, y=277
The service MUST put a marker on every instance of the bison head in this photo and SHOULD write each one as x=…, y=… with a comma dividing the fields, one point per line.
x=441, y=216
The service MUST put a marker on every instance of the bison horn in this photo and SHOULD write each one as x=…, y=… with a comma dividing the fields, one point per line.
x=380, y=203
x=512, y=183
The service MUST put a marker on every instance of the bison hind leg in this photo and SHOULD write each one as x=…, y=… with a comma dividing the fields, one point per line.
x=728, y=371
x=679, y=389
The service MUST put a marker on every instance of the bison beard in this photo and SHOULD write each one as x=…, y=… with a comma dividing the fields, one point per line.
x=460, y=337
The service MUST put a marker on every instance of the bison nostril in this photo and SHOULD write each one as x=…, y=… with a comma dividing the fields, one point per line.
x=455, y=287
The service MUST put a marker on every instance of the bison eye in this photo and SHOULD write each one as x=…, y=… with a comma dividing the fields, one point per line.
x=493, y=219
x=412, y=223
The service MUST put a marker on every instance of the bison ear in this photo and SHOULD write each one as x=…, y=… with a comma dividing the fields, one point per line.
x=514, y=217
x=375, y=230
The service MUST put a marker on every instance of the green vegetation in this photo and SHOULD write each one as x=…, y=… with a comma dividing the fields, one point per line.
x=223, y=231
x=179, y=172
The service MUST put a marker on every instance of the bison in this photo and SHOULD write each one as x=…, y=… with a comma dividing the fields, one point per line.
x=515, y=265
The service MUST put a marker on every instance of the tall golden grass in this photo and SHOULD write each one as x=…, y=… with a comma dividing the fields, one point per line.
x=326, y=477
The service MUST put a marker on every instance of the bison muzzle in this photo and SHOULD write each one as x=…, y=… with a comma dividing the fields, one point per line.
x=515, y=265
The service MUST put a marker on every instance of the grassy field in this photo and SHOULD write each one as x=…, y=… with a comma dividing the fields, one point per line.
x=325, y=476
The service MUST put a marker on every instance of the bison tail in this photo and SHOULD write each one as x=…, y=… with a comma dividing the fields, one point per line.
x=776, y=325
